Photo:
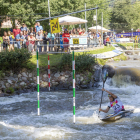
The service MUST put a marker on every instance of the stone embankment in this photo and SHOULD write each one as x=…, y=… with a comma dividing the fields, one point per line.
x=26, y=81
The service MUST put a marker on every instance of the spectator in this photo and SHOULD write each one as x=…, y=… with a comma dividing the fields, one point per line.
x=19, y=38
x=73, y=31
x=83, y=32
x=77, y=31
x=66, y=40
x=41, y=32
x=38, y=27
x=5, y=41
x=16, y=31
x=39, y=39
x=45, y=40
x=32, y=31
x=23, y=28
x=11, y=39
x=80, y=32
x=31, y=40
x=25, y=38
x=57, y=41
x=51, y=40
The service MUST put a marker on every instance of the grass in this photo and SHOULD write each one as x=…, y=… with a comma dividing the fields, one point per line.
x=120, y=57
x=97, y=51
x=43, y=60
x=55, y=58
x=1, y=39
x=125, y=45
x=117, y=58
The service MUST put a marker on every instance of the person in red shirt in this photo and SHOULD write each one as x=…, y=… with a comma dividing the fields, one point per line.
x=16, y=31
x=66, y=36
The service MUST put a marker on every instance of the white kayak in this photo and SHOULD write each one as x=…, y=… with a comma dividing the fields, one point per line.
x=117, y=116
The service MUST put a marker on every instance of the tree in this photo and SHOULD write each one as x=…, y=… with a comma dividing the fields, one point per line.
x=125, y=16
x=28, y=11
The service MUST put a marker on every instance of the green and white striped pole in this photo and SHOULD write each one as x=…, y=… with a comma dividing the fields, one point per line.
x=38, y=109
x=73, y=69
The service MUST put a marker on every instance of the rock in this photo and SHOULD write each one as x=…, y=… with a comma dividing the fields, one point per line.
x=57, y=75
x=96, y=84
x=43, y=89
x=30, y=75
x=63, y=78
x=66, y=79
x=11, y=74
x=7, y=85
x=32, y=84
x=34, y=78
x=78, y=76
x=70, y=87
x=44, y=84
x=22, y=84
x=135, y=58
x=2, y=95
x=15, y=76
x=81, y=78
x=55, y=83
x=67, y=76
x=31, y=79
x=45, y=76
x=109, y=69
x=62, y=73
x=24, y=78
x=9, y=92
x=40, y=77
x=9, y=81
x=84, y=86
x=97, y=67
x=65, y=86
x=24, y=74
x=19, y=75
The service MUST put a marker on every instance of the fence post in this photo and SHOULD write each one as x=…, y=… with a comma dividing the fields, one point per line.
x=73, y=69
x=49, y=72
x=38, y=83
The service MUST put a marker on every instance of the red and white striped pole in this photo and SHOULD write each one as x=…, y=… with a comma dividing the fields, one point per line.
x=49, y=72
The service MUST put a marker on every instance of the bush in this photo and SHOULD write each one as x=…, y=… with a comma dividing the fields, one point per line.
x=82, y=62
x=14, y=60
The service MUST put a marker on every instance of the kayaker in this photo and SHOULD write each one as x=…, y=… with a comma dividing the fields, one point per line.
x=115, y=103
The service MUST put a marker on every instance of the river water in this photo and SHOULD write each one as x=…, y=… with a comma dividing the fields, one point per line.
x=19, y=120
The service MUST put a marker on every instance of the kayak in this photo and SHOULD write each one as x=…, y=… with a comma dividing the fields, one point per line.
x=117, y=116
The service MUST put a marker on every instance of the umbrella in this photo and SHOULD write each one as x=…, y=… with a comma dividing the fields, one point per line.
x=69, y=20
x=99, y=28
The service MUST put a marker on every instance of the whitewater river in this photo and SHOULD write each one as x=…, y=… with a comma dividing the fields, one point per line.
x=19, y=120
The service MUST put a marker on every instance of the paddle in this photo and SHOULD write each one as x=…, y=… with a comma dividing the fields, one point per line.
x=104, y=77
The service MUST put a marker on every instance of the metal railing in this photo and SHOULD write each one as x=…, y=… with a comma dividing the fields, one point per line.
x=52, y=45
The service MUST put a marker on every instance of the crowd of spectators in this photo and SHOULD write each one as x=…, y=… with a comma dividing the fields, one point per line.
x=35, y=37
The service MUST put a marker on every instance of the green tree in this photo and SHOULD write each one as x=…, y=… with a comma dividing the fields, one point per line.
x=125, y=15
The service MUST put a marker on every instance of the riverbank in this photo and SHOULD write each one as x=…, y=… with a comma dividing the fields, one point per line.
x=26, y=79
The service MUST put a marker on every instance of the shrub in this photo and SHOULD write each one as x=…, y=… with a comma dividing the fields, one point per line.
x=83, y=62
x=10, y=89
x=14, y=60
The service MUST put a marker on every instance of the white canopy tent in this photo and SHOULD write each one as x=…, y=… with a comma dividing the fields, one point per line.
x=99, y=28
x=70, y=20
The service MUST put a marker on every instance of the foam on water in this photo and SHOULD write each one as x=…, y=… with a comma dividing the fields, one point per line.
x=59, y=124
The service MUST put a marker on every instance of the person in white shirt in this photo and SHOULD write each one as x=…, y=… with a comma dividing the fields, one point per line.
x=115, y=103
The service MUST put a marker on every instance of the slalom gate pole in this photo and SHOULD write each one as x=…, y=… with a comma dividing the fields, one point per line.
x=73, y=69
x=49, y=71
x=38, y=83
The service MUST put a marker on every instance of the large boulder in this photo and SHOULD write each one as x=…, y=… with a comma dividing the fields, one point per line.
x=109, y=69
